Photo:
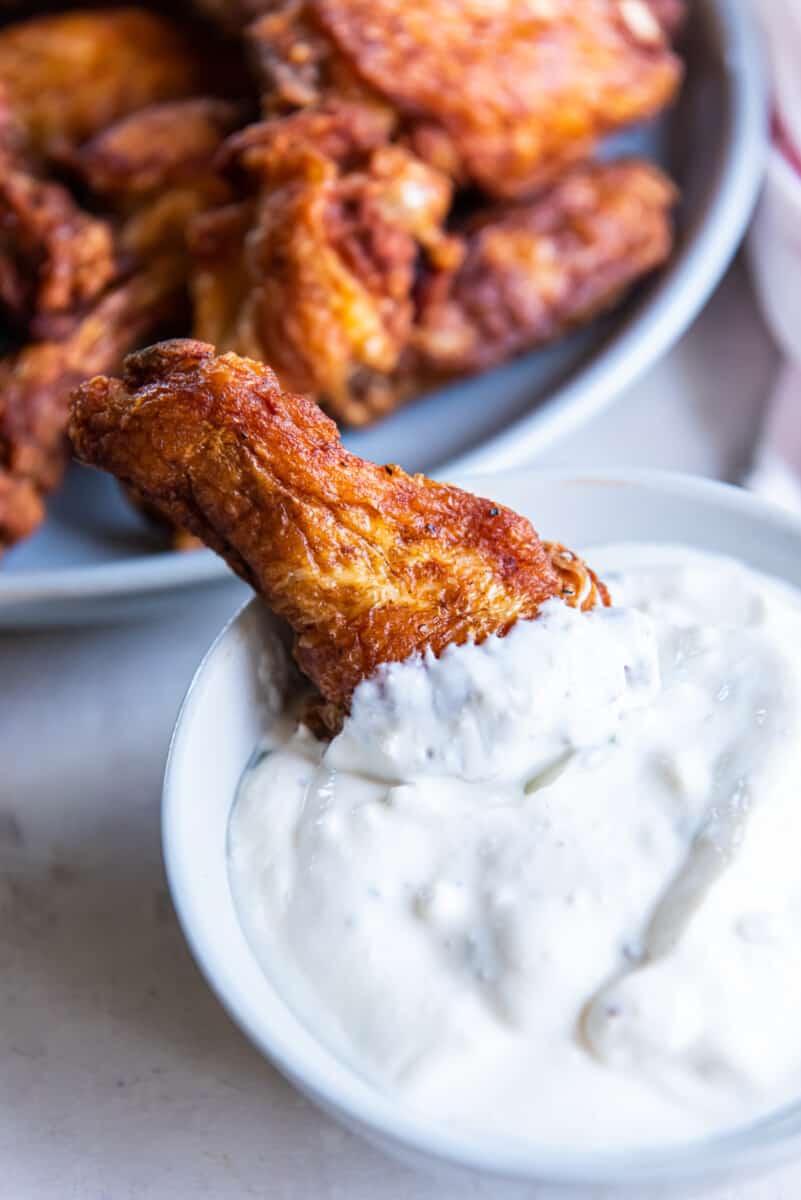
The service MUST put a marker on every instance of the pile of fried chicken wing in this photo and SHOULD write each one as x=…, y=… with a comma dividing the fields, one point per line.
x=371, y=196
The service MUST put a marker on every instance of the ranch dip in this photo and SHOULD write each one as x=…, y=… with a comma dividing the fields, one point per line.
x=550, y=886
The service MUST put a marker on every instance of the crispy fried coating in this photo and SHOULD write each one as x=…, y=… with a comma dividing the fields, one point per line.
x=321, y=283
x=366, y=563
x=160, y=228
x=69, y=75
x=218, y=280
x=323, y=278
x=162, y=146
x=364, y=300
x=534, y=271
x=341, y=130
x=54, y=257
x=299, y=64
x=35, y=386
x=503, y=95
x=517, y=89
x=323, y=240
x=155, y=168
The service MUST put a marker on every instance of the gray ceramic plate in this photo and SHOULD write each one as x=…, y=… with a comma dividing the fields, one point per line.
x=95, y=559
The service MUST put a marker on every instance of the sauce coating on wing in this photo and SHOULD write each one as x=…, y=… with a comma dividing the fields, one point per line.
x=366, y=563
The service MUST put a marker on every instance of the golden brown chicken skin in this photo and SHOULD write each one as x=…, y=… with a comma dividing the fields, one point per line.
x=366, y=563
x=36, y=382
x=161, y=146
x=69, y=75
x=532, y=272
x=346, y=282
x=131, y=292
x=63, y=77
x=504, y=95
x=344, y=265
x=316, y=274
x=300, y=66
x=288, y=165
x=54, y=257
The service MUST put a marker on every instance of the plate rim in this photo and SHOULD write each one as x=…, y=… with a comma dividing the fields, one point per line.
x=649, y=333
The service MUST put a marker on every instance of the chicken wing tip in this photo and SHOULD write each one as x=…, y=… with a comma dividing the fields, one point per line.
x=163, y=360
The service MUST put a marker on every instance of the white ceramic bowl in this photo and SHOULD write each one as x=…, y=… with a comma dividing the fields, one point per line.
x=217, y=730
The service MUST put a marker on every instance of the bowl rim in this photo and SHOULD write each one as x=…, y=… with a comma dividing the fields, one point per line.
x=649, y=333
x=759, y=1144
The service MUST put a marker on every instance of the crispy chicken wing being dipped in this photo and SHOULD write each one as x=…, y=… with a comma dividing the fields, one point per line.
x=502, y=95
x=366, y=563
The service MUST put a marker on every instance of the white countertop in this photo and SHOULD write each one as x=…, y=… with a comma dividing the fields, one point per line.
x=121, y=1077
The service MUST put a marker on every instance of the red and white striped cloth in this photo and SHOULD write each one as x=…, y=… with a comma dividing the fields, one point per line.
x=774, y=247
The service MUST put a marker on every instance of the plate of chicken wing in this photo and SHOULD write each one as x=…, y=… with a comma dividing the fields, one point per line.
x=460, y=226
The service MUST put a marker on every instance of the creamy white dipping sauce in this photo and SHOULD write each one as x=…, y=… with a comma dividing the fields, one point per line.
x=550, y=886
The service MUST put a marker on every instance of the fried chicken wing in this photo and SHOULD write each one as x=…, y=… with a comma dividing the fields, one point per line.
x=342, y=131
x=162, y=146
x=347, y=284
x=300, y=66
x=366, y=563
x=218, y=278
x=224, y=273
x=54, y=257
x=35, y=386
x=321, y=282
x=69, y=75
x=503, y=95
x=517, y=90
x=156, y=171
x=96, y=294
x=534, y=271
